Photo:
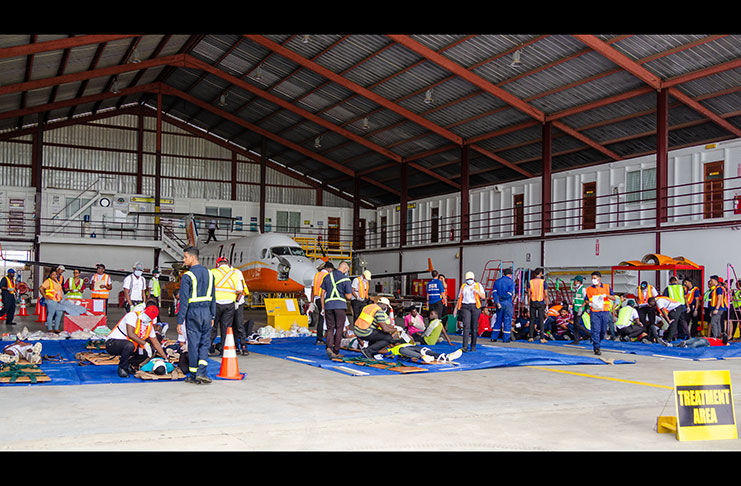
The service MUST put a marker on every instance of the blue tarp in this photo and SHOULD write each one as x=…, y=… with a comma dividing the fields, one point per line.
x=733, y=350
x=71, y=373
x=303, y=350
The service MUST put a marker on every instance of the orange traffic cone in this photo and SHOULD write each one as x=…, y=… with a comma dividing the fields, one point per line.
x=229, y=367
x=23, y=312
x=42, y=314
x=38, y=307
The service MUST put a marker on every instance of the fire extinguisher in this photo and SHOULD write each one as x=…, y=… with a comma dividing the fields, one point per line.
x=737, y=204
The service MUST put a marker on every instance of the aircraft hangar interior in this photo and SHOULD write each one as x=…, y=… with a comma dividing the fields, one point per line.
x=531, y=235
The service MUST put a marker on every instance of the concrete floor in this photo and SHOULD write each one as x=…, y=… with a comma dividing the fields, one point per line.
x=286, y=406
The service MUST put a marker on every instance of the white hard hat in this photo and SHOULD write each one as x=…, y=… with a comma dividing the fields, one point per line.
x=384, y=300
x=470, y=275
x=367, y=274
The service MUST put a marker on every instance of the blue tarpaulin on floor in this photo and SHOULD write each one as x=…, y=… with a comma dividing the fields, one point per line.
x=69, y=371
x=733, y=350
x=304, y=350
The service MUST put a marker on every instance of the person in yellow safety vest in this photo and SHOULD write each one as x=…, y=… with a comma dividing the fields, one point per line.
x=674, y=290
x=336, y=291
x=100, y=285
x=154, y=286
x=51, y=289
x=228, y=287
x=646, y=313
x=130, y=339
x=375, y=328
x=73, y=287
x=469, y=305
x=7, y=284
x=628, y=325
x=736, y=309
x=196, y=310
x=360, y=292
x=538, y=298
x=241, y=328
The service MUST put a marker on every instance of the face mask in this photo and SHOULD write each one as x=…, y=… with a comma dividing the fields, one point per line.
x=469, y=281
x=595, y=281
x=138, y=273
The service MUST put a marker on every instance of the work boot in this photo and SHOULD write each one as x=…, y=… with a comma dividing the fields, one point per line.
x=123, y=373
x=190, y=379
x=597, y=352
x=203, y=380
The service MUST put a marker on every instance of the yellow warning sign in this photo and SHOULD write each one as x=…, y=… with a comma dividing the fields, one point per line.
x=704, y=403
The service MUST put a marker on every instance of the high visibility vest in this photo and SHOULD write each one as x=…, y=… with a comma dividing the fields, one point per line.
x=643, y=296
x=104, y=279
x=335, y=294
x=226, y=283
x=51, y=292
x=736, y=299
x=623, y=319
x=367, y=316
x=691, y=296
x=537, y=290
x=75, y=289
x=554, y=310
x=11, y=285
x=595, y=293
x=476, y=286
x=718, y=301
x=586, y=319
x=156, y=289
x=142, y=332
x=194, y=295
x=362, y=289
x=318, y=279
x=676, y=292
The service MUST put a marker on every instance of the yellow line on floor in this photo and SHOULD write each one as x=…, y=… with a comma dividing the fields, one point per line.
x=602, y=377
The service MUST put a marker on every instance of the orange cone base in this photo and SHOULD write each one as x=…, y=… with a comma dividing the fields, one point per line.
x=229, y=367
x=42, y=314
x=23, y=312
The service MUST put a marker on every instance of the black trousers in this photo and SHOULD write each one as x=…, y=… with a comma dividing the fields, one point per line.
x=240, y=328
x=632, y=331
x=222, y=319
x=438, y=307
x=335, y=326
x=537, y=318
x=377, y=340
x=647, y=316
x=470, y=319
x=126, y=352
x=357, y=307
x=318, y=319
x=675, y=322
x=8, y=307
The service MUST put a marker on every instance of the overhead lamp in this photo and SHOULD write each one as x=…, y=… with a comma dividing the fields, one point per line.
x=135, y=57
x=222, y=99
x=305, y=40
x=114, y=88
x=318, y=142
x=258, y=73
x=516, y=58
x=428, y=96
x=366, y=124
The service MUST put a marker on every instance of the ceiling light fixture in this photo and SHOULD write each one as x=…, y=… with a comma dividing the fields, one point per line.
x=114, y=88
x=306, y=39
x=366, y=124
x=135, y=57
x=318, y=142
x=428, y=96
x=516, y=61
x=222, y=100
x=258, y=73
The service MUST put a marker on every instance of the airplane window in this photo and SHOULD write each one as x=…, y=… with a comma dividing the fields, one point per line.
x=288, y=250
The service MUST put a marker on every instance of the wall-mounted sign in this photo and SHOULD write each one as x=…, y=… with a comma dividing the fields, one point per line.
x=163, y=200
x=409, y=206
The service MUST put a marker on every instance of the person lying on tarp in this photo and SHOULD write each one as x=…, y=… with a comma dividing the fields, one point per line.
x=701, y=342
x=422, y=353
x=131, y=338
x=21, y=350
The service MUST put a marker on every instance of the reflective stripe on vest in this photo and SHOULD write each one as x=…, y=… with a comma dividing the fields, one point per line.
x=718, y=301
x=691, y=296
x=643, y=298
x=194, y=296
x=476, y=286
x=51, y=292
x=362, y=289
x=100, y=293
x=156, y=289
x=138, y=331
x=623, y=319
x=335, y=294
x=537, y=290
x=318, y=279
x=11, y=285
x=367, y=316
x=74, y=292
x=676, y=292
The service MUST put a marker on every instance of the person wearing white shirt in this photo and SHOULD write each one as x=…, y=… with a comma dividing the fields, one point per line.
x=135, y=287
x=671, y=310
x=469, y=305
x=360, y=293
x=131, y=339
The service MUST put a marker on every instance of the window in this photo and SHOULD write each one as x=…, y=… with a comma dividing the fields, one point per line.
x=288, y=221
x=640, y=185
x=288, y=251
x=74, y=204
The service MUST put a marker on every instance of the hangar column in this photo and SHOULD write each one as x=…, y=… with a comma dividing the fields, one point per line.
x=36, y=181
x=263, y=168
x=662, y=165
x=545, y=186
x=140, y=153
x=356, y=213
x=403, y=206
x=465, y=196
x=158, y=178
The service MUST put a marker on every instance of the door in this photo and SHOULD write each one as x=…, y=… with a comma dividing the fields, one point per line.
x=333, y=232
x=713, y=190
x=360, y=244
x=435, y=225
x=589, y=205
x=383, y=231
x=519, y=212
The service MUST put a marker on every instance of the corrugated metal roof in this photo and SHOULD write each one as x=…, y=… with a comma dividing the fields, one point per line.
x=556, y=72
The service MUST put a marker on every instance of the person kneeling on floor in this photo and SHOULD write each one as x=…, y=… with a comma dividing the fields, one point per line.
x=374, y=327
x=130, y=337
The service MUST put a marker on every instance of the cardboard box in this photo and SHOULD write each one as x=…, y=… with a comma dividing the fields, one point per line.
x=83, y=323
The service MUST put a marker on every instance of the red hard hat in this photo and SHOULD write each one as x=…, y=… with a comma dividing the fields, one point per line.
x=221, y=260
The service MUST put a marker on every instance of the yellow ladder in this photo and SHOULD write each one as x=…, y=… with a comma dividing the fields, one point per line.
x=331, y=249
